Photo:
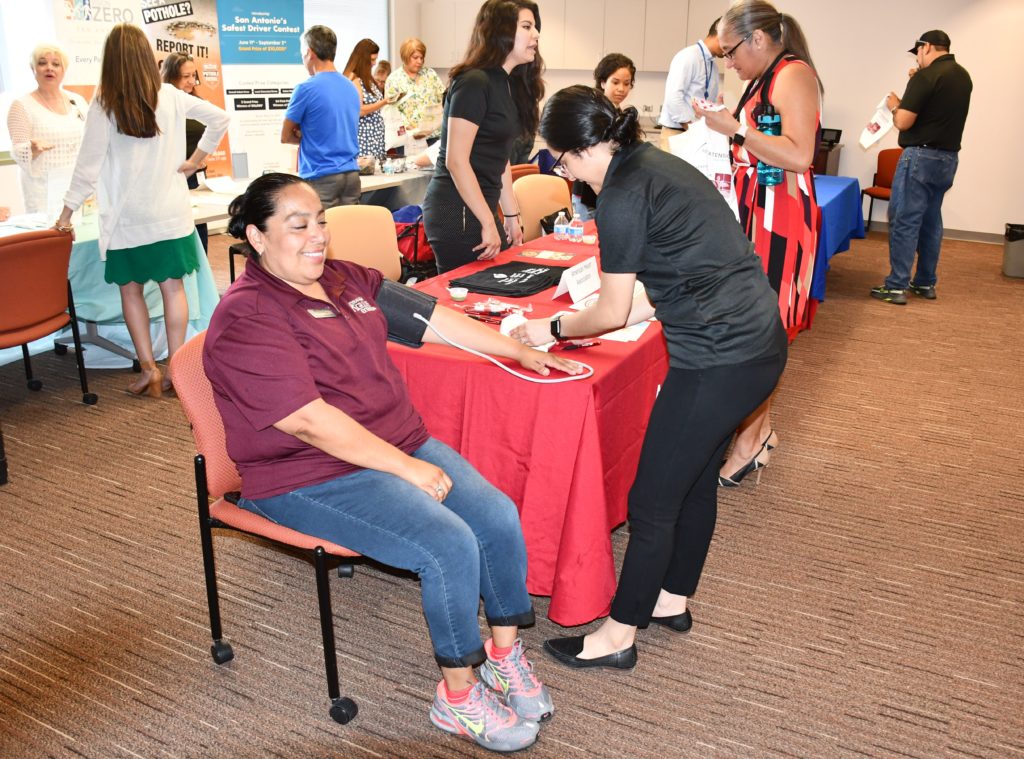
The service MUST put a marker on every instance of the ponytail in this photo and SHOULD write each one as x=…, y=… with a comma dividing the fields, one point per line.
x=580, y=117
x=747, y=16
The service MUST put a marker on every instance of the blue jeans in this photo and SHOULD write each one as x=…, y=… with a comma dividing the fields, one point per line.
x=923, y=175
x=467, y=547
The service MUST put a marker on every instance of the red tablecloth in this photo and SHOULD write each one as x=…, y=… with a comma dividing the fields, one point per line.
x=565, y=453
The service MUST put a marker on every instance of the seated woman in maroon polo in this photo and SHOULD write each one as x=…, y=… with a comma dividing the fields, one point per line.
x=327, y=442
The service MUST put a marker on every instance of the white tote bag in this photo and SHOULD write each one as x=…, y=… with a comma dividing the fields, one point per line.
x=708, y=152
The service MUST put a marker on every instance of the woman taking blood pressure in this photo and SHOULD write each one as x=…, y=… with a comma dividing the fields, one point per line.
x=661, y=222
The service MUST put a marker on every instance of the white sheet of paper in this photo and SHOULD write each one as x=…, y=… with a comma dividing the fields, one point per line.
x=579, y=281
x=878, y=126
x=224, y=185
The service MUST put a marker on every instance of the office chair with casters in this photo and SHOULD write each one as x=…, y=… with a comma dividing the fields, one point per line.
x=36, y=298
x=365, y=235
x=537, y=196
x=881, y=184
x=217, y=486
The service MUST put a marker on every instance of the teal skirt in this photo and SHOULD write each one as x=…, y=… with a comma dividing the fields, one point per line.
x=156, y=262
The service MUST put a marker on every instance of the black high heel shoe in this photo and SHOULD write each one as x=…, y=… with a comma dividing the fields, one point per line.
x=756, y=464
x=679, y=622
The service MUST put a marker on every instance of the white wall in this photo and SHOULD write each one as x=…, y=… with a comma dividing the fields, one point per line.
x=860, y=52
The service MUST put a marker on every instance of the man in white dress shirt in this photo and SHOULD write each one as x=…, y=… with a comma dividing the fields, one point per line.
x=692, y=74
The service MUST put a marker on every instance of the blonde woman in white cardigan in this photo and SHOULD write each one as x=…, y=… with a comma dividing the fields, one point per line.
x=132, y=147
x=46, y=130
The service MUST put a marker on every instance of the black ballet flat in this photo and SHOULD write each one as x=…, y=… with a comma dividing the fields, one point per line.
x=678, y=622
x=567, y=650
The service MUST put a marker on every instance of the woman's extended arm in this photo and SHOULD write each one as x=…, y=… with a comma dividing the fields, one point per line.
x=795, y=96
x=461, y=136
x=336, y=433
x=480, y=337
x=615, y=307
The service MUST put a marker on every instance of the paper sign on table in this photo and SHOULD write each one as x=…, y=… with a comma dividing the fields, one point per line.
x=550, y=255
x=579, y=281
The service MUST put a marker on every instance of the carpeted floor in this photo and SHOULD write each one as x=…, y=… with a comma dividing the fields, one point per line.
x=866, y=599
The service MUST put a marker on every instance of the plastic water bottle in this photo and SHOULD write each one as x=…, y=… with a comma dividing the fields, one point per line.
x=769, y=122
x=561, y=226
x=575, y=230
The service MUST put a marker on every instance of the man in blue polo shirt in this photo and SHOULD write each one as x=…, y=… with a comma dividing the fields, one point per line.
x=930, y=118
x=323, y=120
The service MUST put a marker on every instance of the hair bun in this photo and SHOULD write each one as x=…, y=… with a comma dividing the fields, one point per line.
x=236, y=210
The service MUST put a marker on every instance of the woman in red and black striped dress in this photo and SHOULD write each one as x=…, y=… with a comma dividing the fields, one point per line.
x=768, y=49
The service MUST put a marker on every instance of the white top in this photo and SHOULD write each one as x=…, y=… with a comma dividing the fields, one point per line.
x=692, y=72
x=142, y=197
x=30, y=120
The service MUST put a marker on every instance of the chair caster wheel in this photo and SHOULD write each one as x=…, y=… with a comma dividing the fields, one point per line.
x=59, y=348
x=89, y=399
x=136, y=366
x=35, y=385
x=346, y=570
x=343, y=710
x=221, y=652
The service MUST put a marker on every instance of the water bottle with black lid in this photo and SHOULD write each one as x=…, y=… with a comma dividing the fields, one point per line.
x=769, y=122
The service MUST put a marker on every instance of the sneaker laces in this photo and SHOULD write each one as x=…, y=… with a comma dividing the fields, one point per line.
x=518, y=671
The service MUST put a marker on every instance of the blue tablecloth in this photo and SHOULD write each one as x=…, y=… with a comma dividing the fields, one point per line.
x=842, y=219
x=100, y=302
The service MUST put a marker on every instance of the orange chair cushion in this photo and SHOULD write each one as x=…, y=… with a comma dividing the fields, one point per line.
x=239, y=518
x=880, y=193
x=33, y=331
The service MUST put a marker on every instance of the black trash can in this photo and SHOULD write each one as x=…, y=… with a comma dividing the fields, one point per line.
x=1013, y=251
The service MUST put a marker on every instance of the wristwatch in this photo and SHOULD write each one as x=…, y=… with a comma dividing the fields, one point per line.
x=741, y=135
x=556, y=328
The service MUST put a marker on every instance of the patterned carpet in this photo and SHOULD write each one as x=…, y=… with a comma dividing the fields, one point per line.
x=865, y=599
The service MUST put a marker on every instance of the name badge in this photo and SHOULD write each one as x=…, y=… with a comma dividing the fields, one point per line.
x=321, y=313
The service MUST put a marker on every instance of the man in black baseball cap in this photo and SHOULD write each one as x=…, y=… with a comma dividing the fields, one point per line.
x=935, y=37
x=930, y=118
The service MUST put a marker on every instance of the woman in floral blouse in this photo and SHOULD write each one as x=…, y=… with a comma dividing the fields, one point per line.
x=422, y=91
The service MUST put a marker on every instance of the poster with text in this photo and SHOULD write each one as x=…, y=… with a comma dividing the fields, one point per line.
x=82, y=27
x=264, y=32
x=260, y=47
x=190, y=27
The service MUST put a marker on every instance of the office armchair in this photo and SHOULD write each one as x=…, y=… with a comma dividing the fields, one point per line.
x=365, y=235
x=36, y=298
x=217, y=486
x=881, y=184
x=538, y=195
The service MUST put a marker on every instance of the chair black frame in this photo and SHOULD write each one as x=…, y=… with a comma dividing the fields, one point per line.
x=343, y=709
x=34, y=384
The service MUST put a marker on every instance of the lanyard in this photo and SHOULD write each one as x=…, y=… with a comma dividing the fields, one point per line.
x=707, y=68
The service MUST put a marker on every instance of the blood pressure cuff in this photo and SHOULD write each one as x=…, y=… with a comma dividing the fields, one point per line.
x=399, y=303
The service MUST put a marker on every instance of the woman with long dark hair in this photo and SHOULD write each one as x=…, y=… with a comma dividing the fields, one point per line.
x=662, y=223
x=371, y=121
x=492, y=99
x=132, y=147
x=768, y=49
x=180, y=70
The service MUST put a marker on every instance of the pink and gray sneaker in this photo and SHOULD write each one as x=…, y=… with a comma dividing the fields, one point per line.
x=483, y=718
x=513, y=679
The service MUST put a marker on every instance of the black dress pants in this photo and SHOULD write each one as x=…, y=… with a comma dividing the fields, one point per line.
x=673, y=502
x=452, y=229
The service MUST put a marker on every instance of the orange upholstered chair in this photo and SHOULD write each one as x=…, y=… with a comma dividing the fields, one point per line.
x=522, y=169
x=881, y=185
x=365, y=235
x=217, y=486
x=537, y=196
x=36, y=298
